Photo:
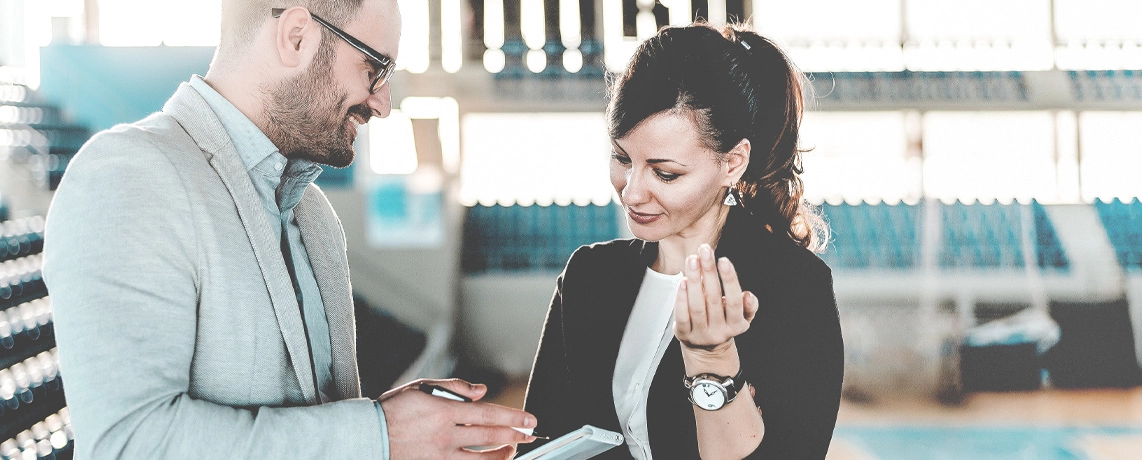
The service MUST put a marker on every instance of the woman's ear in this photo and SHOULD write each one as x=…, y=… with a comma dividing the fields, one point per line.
x=737, y=160
x=297, y=37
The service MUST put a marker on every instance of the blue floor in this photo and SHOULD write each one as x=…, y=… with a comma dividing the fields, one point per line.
x=977, y=443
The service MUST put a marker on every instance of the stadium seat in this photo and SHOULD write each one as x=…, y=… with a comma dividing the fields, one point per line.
x=532, y=238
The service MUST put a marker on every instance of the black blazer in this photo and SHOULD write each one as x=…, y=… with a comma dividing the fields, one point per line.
x=792, y=352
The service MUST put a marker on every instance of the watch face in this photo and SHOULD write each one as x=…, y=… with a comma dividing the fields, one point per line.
x=708, y=395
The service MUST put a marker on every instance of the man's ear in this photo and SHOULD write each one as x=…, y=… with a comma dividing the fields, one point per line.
x=737, y=160
x=297, y=37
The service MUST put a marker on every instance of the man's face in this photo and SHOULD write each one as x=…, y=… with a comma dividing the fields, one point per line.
x=315, y=115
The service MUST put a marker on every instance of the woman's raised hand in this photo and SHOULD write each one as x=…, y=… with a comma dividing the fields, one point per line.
x=703, y=318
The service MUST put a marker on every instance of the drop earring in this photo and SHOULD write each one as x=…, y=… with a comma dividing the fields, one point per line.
x=731, y=198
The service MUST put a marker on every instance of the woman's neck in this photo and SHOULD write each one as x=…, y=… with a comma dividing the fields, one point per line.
x=673, y=250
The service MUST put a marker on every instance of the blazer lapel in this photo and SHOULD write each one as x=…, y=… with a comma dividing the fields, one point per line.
x=615, y=289
x=200, y=122
x=325, y=242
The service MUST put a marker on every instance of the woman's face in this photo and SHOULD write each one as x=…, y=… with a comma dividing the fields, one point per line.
x=669, y=182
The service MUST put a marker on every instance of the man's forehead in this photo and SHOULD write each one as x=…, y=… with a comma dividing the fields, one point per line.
x=377, y=23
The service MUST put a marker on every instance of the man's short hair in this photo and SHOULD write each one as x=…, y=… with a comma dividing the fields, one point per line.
x=241, y=19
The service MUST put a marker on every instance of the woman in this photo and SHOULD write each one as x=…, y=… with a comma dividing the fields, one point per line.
x=689, y=357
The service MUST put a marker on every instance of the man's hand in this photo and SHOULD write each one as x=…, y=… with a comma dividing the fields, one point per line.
x=431, y=427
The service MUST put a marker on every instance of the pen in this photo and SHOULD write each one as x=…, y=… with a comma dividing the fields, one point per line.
x=444, y=393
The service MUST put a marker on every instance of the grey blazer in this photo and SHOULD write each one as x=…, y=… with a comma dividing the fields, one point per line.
x=177, y=326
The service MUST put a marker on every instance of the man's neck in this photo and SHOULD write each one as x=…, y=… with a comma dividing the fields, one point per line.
x=244, y=93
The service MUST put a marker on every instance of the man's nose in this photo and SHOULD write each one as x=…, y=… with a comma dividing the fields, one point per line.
x=380, y=102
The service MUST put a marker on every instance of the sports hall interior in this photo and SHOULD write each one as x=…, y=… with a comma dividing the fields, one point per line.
x=976, y=162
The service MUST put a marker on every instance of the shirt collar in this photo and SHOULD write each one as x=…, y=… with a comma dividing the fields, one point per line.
x=288, y=178
x=252, y=144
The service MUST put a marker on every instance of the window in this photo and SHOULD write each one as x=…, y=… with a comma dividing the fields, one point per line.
x=858, y=156
x=543, y=158
x=825, y=35
x=155, y=22
x=1111, y=147
x=989, y=156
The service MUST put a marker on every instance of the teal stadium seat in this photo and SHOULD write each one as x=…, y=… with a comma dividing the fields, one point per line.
x=532, y=238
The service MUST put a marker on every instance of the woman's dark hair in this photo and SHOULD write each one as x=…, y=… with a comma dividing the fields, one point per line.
x=734, y=84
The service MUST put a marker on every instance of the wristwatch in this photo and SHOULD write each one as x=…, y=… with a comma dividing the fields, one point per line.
x=713, y=392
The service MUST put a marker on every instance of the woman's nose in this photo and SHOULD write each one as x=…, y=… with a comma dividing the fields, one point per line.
x=635, y=190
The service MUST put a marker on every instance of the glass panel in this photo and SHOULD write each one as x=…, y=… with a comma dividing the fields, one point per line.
x=853, y=36
x=978, y=35
x=989, y=156
x=857, y=156
x=548, y=157
x=1110, y=146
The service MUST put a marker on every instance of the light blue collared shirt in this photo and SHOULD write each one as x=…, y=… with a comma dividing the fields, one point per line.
x=280, y=183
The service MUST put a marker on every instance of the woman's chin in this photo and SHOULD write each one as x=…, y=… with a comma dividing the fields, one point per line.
x=645, y=232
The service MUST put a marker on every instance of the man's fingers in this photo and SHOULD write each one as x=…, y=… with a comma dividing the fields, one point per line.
x=711, y=287
x=473, y=391
x=491, y=415
x=488, y=436
x=500, y=453
x=696, y=301
x=735, y=305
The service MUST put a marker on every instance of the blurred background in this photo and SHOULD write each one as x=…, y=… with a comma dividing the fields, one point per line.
x=977, y=161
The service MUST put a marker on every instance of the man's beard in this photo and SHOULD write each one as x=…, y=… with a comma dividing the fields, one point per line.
x=304, y=117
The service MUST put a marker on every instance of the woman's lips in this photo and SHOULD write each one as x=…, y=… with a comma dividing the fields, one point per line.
x=642, y=218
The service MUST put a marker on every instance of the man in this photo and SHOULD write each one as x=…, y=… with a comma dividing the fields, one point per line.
x=200, y=281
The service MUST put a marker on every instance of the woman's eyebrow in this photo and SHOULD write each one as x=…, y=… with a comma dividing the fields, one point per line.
x=652, y=160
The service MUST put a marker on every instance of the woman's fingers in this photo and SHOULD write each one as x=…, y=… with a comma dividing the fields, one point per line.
x=681, y=311
x=735, y=305
x=751, y=305
x=699, y=320
x=711, y=288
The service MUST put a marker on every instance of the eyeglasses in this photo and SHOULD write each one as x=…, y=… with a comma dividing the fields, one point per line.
x=384, y=66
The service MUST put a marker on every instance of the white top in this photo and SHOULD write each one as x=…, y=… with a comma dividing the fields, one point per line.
x=648, y=332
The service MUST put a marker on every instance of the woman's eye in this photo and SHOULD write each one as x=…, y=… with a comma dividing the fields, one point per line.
x=620, y=158
x=665, y=176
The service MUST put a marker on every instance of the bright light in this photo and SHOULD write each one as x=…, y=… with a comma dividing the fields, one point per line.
x=536, y=61
x=570, y=29
x=449, y=130
x=451, y=36
x=392, y=148
x=717, y=12
x=493, y=25
x=1067, y=150
x=1097, y=20
x=494, y=60
x=573, y=60
x=151, y=22
x=1008, y=155
x=846, y=21
x=547, y=158
x=414, y=36
x=531, y=23
x=613, y=35
x=198, y=26
x=447, y=113
x=645, y=25
x=131, y=22
x=678, y=11
x=1111, y=155
x=848, y=149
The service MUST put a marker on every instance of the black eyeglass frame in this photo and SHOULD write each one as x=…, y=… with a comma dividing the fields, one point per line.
x=388, y=65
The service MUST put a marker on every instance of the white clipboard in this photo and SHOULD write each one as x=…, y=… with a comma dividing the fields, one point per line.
x=580, y=444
